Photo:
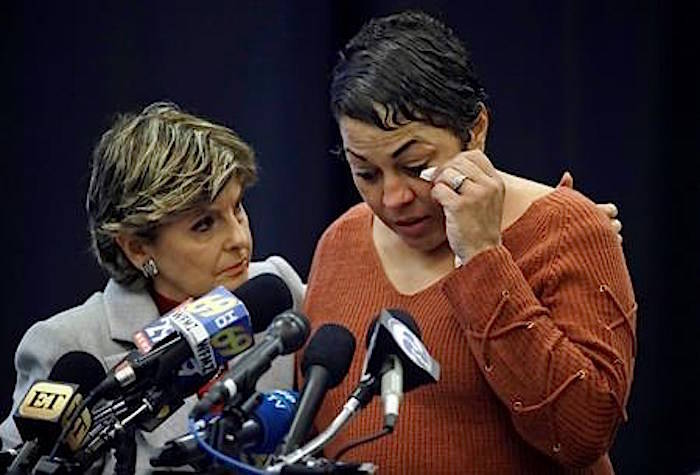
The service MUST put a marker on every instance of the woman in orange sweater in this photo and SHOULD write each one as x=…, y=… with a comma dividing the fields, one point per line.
x=521, y=290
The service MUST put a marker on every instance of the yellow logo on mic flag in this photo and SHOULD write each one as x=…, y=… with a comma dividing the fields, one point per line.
x=54, y=403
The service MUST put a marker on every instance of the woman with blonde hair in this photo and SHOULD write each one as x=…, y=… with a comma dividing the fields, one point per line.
x=167, y=222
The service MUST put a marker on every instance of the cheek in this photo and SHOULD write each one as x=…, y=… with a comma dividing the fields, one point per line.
x=195, y=254
x=370, y=192
x=201, y=260
x=422, y=191
x=190, y=267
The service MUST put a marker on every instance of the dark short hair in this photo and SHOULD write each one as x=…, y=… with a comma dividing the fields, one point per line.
x=415, y=67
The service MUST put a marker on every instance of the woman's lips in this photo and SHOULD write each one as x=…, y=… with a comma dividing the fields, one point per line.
x=412, y=227
x=236, y=269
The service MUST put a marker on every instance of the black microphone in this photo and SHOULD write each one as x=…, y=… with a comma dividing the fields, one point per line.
x=150, y=387
x=286, y=334
x=393, y=344
x=47, y=408
x=325, y=363
x=78, y=367
x=49, y=404
x=159, y=381
x=263, y=297
x=396, y=356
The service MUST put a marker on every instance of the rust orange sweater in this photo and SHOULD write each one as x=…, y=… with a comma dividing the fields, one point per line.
x=536, y=340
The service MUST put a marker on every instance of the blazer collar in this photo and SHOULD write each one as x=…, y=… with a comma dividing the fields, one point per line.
x=127, y=310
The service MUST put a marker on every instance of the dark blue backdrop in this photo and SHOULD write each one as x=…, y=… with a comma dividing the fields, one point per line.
x=583, y=86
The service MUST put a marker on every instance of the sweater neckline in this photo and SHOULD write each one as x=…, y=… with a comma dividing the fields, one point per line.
x=510, y=232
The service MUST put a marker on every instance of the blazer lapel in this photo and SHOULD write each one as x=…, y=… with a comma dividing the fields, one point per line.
x=128, y=311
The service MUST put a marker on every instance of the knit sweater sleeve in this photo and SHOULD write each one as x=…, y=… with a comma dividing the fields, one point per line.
x=560, y=359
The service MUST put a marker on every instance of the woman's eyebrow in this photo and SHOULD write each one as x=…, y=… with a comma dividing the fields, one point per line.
x=403, y=148
x=354, y=154
x=396, y=153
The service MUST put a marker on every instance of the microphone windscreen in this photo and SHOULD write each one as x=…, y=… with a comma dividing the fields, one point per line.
x=332, y=347
x=265, y=296
x=48, y=404
x=274, y=414
x=400, y=315
x=78, y=367
x=419, y=367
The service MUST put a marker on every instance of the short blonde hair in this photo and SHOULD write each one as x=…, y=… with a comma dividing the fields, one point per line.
x=149, y=167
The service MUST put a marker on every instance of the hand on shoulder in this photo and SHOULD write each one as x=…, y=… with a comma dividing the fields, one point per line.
x=608, y=209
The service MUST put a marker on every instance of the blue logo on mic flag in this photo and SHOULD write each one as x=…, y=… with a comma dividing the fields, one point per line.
x=275, y=414
x=217, y=326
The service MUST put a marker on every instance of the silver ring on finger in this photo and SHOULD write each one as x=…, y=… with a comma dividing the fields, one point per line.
x=457, y=181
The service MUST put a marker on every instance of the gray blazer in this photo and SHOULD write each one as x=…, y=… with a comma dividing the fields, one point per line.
x=103, y=326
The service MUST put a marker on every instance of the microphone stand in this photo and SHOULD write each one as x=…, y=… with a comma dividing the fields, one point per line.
x=362, y=395
x=219, y=434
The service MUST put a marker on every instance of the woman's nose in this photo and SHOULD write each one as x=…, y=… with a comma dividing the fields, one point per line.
x=236, y=233
x=396, y=192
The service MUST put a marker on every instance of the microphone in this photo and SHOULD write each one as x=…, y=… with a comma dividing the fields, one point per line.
x=78, y=367
x=394, y=343
x=395, y=351
x=198, y=336
x=49, y=405
x=180, y=349
x=286, y=334
x=260, y=434
x=325, y=363
x=270, y=421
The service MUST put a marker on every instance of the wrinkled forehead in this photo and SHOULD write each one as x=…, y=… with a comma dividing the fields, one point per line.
x=362, y=134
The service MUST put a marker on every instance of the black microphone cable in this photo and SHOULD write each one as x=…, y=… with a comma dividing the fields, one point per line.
x=363, y=440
